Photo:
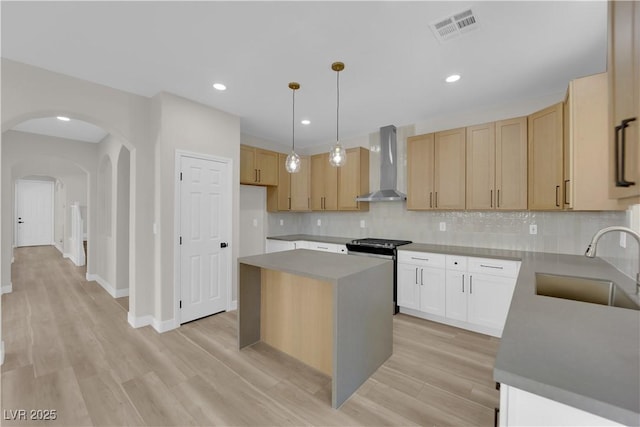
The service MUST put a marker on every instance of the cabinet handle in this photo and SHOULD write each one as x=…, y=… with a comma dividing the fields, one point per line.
x=256, y=175
x=620, y=144
x=463, y=283
x=491, y=198
x=416, y=275
x=421, y=277
x=430, y=199
x=323, y=247
x=436, y=199
x=321, y=202
x=498, y=199
x=308, y=202
x=566, y=191
x=421, y=259
x=289, y=202
x=492, y=266
x=557, y=192
x=470, y=284
x=496, y=416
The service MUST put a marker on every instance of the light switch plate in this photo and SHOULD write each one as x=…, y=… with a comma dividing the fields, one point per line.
x=281, y=222
x=255, y=222
x=443, y=226
x=319, y=222
x=533, y=229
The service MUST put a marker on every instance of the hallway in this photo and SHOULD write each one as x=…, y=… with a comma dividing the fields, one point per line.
x=70, y=349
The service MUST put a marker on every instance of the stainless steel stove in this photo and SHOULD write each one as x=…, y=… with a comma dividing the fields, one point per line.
x=380, y=248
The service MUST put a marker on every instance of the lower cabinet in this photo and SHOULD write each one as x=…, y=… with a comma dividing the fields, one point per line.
x=273, y=245
x=521, y=408
x=467, y=292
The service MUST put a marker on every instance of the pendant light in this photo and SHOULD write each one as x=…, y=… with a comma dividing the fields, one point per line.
x=292, y=164
x=337, y=155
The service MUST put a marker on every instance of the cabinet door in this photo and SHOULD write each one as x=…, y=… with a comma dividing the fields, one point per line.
x=420, y=160
x=511, y=164
x=449, y=169
x=408, y=287
x=456, y=295
x=432, y=290
x=489, y=299
x=353, y=180
x=624, y=86
x=301, y=186
x=267, y=164
x=481, y=154
x=545, y=159
x=248, y=171
x=324, y=184
x=278, y=196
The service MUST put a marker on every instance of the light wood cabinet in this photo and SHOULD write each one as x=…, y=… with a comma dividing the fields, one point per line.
x=624, y=105
x=353, y=180
x=545, y=159
x=293, y=189
x=436, y=170
x=324, y=184
x=449, y=169
x=420, y=160
x=258, y=166
x=481, y=164
x=586, y=132
x=511, y=164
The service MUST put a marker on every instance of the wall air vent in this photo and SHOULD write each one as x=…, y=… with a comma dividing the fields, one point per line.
x=454, y=26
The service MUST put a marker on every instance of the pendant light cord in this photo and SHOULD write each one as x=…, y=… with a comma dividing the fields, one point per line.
x=293, y=123
x=337, y=104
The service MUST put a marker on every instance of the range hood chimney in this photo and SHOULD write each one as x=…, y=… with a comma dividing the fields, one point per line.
x=388, y=170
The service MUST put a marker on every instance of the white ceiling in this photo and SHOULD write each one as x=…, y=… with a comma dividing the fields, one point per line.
x=73, y=129
x=394, y=73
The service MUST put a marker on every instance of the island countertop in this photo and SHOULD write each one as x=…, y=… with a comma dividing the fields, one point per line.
x=303, y=262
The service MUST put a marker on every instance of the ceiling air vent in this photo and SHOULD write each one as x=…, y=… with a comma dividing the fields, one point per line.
x=454, y=26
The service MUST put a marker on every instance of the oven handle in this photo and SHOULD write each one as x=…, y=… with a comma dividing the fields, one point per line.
x=391, y=257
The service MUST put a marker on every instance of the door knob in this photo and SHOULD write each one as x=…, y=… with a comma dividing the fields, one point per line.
x=224, y=244
x=20, y=222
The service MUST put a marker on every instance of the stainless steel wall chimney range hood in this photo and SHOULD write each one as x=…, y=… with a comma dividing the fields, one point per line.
x=388, y=170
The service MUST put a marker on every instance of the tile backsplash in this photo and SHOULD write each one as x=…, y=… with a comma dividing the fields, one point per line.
x=557, y=232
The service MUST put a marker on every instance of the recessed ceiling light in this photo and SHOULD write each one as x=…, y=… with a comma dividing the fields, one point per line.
x=219, y=86
x=306, y=122
x=452, y=78
x=63, y=118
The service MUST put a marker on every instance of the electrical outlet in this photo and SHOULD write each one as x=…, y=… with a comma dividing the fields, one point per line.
x=362, y=224
x=319, y=222
x=443, y=226
x=255, y=222
x=623, y=239
x=281, y=222
x=533, y=229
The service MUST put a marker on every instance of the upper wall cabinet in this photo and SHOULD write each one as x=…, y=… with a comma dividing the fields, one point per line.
x=324, y=184
x=353, y=180
x=292, y=191
x=624, y=105
x=436, y=170
x=497, y=165
x=258, y=166
x=586, y=175
x=545, y=159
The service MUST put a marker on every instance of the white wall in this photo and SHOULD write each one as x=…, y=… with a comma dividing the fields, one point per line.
x=253, y=215
x=182, y=124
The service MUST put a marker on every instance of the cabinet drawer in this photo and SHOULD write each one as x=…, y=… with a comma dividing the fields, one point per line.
x=456, y=263
x=341, y=249
x=422, y=258
x=496, y=267
x=319, y=246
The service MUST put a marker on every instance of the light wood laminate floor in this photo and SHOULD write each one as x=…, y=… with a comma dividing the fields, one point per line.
x=69, y=348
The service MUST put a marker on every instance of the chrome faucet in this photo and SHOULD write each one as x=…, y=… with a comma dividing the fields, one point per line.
x=591, y=250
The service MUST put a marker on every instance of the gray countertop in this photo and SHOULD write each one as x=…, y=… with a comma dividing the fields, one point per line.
x=311, y=238
x=317, y=265
x=463, y=251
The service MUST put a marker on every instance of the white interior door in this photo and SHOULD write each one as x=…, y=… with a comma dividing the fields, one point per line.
x=34, y=213
x=205, y=227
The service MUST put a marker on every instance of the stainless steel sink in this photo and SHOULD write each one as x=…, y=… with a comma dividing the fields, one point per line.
x=595, y=291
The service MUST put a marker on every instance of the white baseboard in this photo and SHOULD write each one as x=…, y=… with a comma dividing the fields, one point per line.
x=105, y=285
x=233, y=305
x=1, y=352
x=452, y=322
x=164, y=326
x=122, y=293
x=139, y=322
x=60, y=249
x=12, y=259
x=6, y=289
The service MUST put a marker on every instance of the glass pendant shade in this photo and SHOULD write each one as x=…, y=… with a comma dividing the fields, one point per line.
x=292, y=164
x=337, y=155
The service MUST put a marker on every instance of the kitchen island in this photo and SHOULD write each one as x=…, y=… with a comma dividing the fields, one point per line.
x=333, y=312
